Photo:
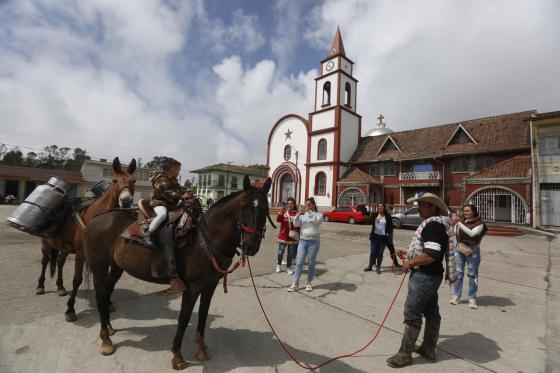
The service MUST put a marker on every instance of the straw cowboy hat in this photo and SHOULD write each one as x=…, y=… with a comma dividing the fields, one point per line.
x=432, y=199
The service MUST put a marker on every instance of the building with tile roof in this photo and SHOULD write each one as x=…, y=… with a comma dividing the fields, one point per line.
x=485, y=161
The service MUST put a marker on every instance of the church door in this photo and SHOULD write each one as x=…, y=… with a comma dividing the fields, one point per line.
x=287, y=187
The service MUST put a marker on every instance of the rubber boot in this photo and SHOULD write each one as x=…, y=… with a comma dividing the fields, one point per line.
x=428, y=347
x=147, y=240
x=404, y=356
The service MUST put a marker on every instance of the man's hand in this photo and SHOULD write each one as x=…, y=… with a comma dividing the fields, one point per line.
x=406, y=265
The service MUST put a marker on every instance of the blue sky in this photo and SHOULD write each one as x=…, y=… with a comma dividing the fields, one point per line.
x=205, y=81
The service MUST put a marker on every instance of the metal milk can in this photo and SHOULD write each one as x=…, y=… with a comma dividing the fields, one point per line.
x=39, y=209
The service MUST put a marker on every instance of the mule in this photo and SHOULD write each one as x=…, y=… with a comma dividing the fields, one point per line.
x=237, y=220
x=68, y=238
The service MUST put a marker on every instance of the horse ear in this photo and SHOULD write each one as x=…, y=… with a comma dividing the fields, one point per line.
x=267, y=185
x=246, y=183
x=131, y=167
x=117, y=165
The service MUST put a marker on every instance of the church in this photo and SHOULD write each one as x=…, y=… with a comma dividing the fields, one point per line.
x=484, y=161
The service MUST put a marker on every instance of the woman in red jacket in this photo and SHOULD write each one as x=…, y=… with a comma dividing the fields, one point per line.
x=286, y=239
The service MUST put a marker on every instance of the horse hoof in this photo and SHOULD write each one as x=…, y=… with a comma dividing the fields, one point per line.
x=62, y=292
x=107, y=349
x=111, y=330
x=40, y=291
x=179, y=364
x=203, y=355
x=112, y=308
x=71, y=316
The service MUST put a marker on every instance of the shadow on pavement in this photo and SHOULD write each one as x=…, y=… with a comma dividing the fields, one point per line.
x=231, y=348
x=334, y=286
x=492, y=301
x=470, y=346
x=147, y=309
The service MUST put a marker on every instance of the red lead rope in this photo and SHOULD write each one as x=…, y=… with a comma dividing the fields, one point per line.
x=226, y=272
x=306, y=366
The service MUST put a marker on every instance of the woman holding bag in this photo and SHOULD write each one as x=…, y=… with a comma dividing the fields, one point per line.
x=469, y=234
x=288, y=236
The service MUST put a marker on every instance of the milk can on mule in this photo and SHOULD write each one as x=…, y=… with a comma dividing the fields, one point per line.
x=99, y=188
x=41, y=207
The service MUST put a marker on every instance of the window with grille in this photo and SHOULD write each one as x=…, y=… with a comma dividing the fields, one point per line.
x=460, y=165
x=322, y=149
x=484, y=161
x=321, y=184
x=287, y=152
x=549, y=145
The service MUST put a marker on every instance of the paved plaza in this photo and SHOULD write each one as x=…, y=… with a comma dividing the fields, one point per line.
x=515, y=329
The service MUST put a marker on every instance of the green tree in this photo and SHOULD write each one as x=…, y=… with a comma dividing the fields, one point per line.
x=189, y=184
x=156, y=163
x=30, y=160
x=13, y=158
x=77, y=160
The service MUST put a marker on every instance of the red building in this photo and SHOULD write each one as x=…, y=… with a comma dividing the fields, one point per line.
x=483, y=161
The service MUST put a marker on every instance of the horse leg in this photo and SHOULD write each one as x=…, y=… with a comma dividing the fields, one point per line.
x=60, y=260
x=76, y=282
x=46, y=251
x=205, y=299
x=100, y=281
x=187, y=305
x=115, y=274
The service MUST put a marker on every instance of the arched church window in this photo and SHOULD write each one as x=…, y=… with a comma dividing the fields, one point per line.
x=347, y=94
x=320, y=184
x=327, y=93
x=322, y=149
x=287, y=152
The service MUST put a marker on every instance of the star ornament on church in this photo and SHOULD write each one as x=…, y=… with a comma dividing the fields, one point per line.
x=288, y=134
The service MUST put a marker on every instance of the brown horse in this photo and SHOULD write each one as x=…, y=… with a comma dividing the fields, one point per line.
x=68, y=238
x=237, y=220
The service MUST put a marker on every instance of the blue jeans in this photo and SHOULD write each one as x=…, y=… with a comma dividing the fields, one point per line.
x=376, y=249
x=422, y=298
x=309, y=248
x=473, y=262
x=292, y=249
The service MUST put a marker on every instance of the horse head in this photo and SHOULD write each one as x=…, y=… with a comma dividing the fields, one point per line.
x=123, y=182
x=252, y=215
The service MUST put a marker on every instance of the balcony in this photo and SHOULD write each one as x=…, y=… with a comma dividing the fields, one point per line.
x=420, y=176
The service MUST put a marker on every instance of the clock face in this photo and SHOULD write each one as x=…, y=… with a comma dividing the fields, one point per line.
x=330, y=65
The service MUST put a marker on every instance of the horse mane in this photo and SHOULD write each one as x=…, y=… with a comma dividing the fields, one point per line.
x=222, y=201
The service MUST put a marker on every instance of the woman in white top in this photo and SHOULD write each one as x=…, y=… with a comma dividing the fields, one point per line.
x=469, y=232
x=308, y=246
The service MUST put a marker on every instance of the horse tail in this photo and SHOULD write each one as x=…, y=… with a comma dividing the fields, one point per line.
x=53, y=254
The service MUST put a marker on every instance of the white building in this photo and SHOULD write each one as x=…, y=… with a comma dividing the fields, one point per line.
x=306, y=157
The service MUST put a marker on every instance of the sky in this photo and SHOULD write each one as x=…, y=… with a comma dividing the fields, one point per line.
x=205, y=81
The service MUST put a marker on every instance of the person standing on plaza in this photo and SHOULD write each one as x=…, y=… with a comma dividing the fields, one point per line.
x=381, y=230
x=288, y=235
x=309, y=220
x=424, y=259
x=469, y=234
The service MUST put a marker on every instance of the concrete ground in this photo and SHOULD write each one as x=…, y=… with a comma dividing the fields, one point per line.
x=515, y=329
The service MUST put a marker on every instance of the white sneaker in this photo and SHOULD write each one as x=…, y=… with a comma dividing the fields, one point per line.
x=472, y=304
x=284, y=262
x=289, y=270
x=454, y=300
x=308, y=287
x=293, y=287
x=278, y=269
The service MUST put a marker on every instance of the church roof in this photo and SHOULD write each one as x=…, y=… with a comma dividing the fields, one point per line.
x=39, y=174
x=337, y=48
x=492, y=134
x=355, y=175
x=517, y=167
x=377, y=131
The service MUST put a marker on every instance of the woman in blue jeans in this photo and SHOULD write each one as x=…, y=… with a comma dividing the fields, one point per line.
x=308, y=246
x=469, y=232
x=381, y=231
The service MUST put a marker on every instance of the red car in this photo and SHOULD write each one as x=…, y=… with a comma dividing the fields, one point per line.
x=350, y=214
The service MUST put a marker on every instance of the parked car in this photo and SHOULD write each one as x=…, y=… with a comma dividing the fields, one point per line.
x=409, y=218
x=349, y=214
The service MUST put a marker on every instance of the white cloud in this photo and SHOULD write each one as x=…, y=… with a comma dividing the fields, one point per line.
x=433, y=62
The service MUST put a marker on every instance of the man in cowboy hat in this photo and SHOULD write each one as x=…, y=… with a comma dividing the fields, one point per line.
x=425, y=261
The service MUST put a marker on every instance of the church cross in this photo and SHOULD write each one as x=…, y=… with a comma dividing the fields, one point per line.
x=380, y=117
